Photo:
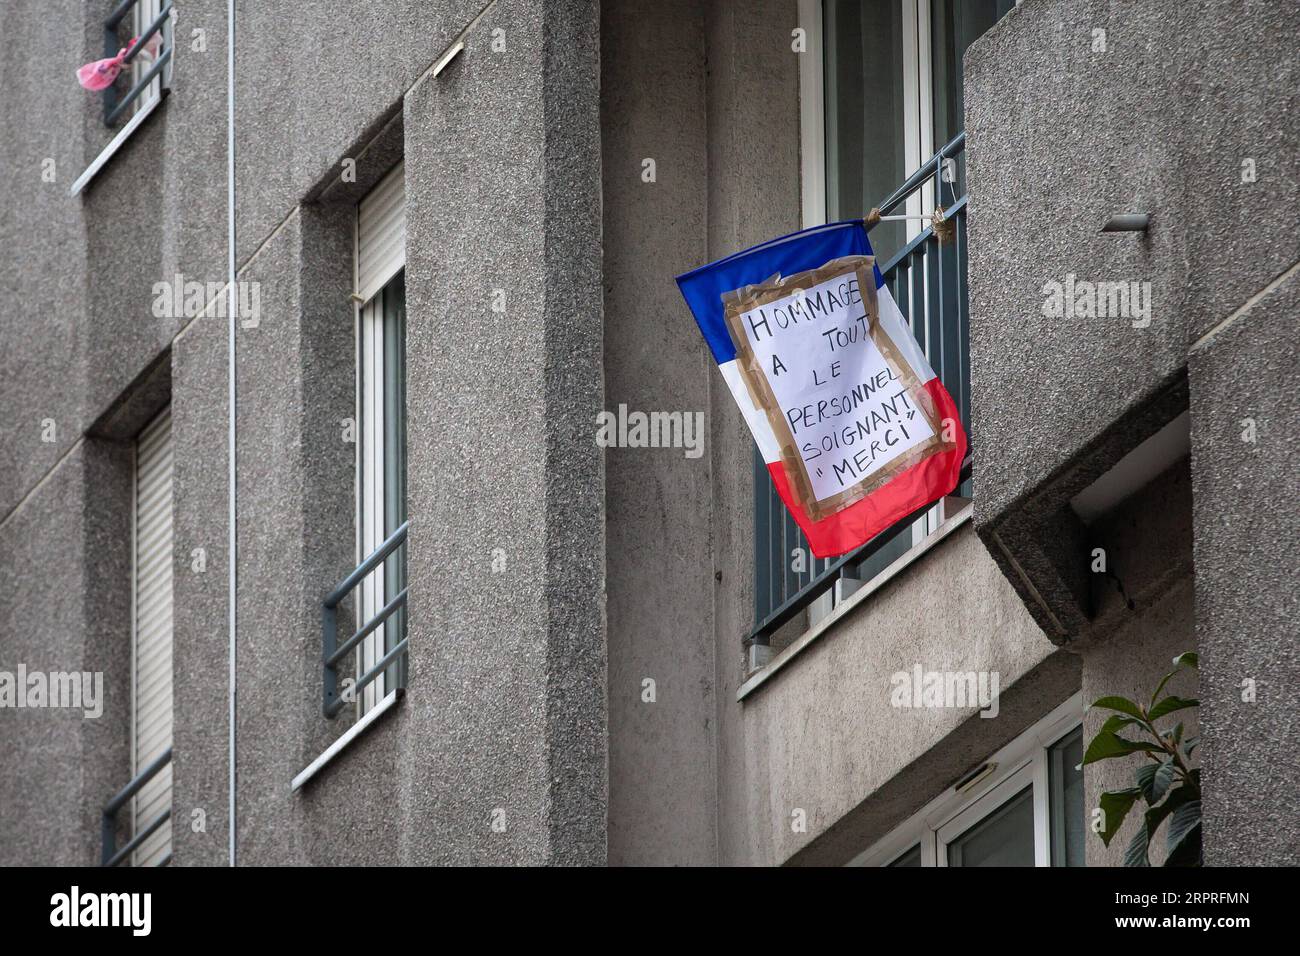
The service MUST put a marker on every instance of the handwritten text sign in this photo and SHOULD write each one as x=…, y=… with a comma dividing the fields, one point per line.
x=847, y=410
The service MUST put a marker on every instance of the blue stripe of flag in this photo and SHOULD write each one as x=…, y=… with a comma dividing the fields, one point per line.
x=799, y=251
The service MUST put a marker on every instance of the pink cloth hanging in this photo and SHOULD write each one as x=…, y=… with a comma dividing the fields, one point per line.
x=101, y=74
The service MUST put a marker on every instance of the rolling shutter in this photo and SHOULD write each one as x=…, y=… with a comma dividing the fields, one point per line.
x=151, y=711
x=381, y=234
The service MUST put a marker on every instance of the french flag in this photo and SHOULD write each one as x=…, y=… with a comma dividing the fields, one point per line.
x=856, y=429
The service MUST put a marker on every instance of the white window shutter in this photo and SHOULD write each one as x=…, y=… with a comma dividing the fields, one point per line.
x=151, y=712
x=381, y=234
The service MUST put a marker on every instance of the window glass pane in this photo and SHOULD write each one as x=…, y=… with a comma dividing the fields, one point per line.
x=954, y=25
x=865, y=147
x=1004, y=838
x=911, y=858
x=1066, y=799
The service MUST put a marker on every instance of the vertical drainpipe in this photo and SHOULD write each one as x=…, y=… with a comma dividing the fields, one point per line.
x=232, y=575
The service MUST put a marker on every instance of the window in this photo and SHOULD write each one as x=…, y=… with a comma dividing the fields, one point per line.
x=381, y=421
x=1022, y=807
x=894, y=94
x=151, y=658
x=141, y=86
x=376, y=585
x=881, y=93
x=142, y=67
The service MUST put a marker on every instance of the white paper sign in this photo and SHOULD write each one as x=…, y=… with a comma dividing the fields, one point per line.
x=846, y=408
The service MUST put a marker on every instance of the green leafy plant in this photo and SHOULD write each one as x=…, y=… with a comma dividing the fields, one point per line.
x=1167, y=784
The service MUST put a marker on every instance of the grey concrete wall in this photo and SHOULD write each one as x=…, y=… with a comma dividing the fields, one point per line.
x=1130, y=664
x=60, y=549
x=505, y=707
x=824, y=737
x=1180, y=115
x=1148, y=545
x=81, y=344
x=502, y=167
x=1244, y=377
x=659, y=584
x=43, y=273
x=1061, y=135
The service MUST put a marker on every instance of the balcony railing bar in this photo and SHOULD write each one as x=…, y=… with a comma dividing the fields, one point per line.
x=391, y=544
x=113, y=104
x=930, y=167
x=109, y=854
x=826, y=580
x=342, y=650
x=332, y=653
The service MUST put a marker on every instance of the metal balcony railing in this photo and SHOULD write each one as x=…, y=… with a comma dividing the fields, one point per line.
x=114, y=104
x=110, y=855
x=333, y=652
x=928, y=281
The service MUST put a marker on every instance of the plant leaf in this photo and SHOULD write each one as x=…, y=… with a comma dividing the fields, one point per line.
x=1122, y=704
x=1161, y=686
x=1107, y=746
x=1115, y=805
x=1161, y=780
x=1184, y=819
x=1153, y=779
x=1136, y=853
x=1115, y=723
x=1191, y=743
x=1188, y=851
x=1188, y=659
x=1169, y=705
x=1144, y=775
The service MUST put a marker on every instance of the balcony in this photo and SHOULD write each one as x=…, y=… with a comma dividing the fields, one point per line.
x=927, y=278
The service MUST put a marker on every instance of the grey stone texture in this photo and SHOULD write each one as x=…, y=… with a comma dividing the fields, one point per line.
x=659, y=581
x=1148, y=543
x=1061, y=135
x=1246, y=376
x=502, y=167
x=1182, y=115
x=60, y=550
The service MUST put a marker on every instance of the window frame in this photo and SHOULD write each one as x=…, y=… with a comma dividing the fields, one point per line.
x=1023, y=761
x=146, y=103
x=143, y=14
x=373, y=278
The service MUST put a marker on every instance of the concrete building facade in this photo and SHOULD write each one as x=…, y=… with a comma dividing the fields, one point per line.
x=608, y=656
